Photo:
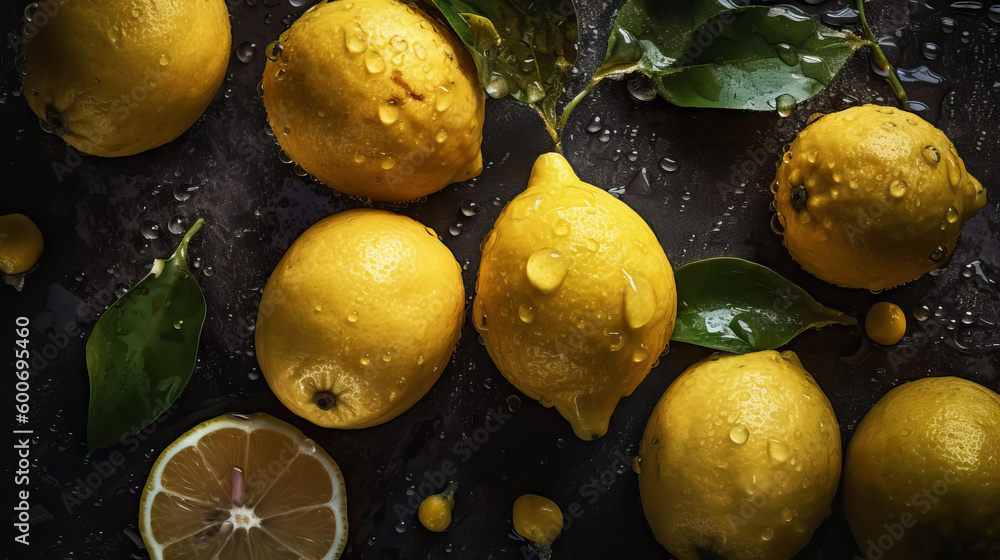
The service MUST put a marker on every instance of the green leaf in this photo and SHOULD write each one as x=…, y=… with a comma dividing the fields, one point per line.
x=522, y=48
x=143, y=349
x=739, y=306
x=708, y=53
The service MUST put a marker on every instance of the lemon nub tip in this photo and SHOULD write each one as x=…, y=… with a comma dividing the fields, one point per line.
x=325, y=400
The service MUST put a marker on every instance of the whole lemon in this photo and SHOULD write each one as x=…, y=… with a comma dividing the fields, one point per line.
x=118, y=77
x=359, y=318
x=873, y=197
x=575, y=299
x=376, y=99
x=21, y=243
x=922, y=473
x=740, y=459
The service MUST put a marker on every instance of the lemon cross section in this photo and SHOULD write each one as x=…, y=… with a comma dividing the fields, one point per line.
x=239, y=487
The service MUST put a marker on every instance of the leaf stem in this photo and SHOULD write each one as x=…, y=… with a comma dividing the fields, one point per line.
x=572, y=105
x=881, y=60
x=181, y=252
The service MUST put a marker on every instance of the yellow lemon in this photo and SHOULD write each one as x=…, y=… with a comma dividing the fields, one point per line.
x=885, y=323
x=740, y=459
x=873, y=197
x=922, y=473
x=376, y=99
x=537, y=519
x=117, y=77
x=575, y=298
x=359, y=318
x=240, y=486
x=20, y=243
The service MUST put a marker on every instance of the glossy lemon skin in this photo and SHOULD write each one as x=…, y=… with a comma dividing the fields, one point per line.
x=376, y=99
x=873, y=197
x=117, y=77
x=885, y=323
x=21, y=243
x=434, y=513
x=922, y=473
x=740, y=459
x=359, y=318
x=575, y=299
x=537, y=519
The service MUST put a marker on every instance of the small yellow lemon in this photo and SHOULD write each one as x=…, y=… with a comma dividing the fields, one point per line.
x=359, y=318
x=885, y=323
x=873, y=197
x=376, y=99
x=434, y=512
x=20, y=243
x=119, y=77
x=537, y=519
x=740, y=459
x=575, y=298
x=922, y=473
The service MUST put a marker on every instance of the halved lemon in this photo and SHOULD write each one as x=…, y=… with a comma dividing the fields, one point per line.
x=244, y=487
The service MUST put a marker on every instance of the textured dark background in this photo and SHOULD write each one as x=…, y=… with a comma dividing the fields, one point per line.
x=227, y=170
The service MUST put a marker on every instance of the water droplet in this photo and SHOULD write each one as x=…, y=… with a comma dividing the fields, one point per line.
x=441, y=136
x=273, y=51
x=150, y=230
x=931, y=154
x=637, y=464
x=921, y=313
x=967, y=318
x=244, y=52
x=561, y=443
x=469, y=208
x=951, y=215
x=639, y=300
x=768, y=534
x=496, y=85
x=668, y=165
x=931, y=51
x=513, y=403
x=286, y=130
x=594, y=125
x=177, y=225
x=739, y=434
x=546, y=269
x=387, y=163
x=455, y=229
x=387, y=357
x=954, y=172
x=442, y=98
x=785, y=104
x=994, y=13
x=641, y=87
x=938, y=254
x=787, y=54
x=365, y=360
x=374, y=62
x=639, y=354
x=354, y=39
x=639, y=185
x=898, y=188
x=352, y=316
x=526, y=313
x=777, y=451
x=786, y=514
x=29, y=11
x=947, y=24
x=398, y=43
x=388, y=113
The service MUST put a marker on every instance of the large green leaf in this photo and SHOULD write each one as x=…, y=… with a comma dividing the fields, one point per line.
x=739, y=306
x=143, y=349
x=710, y=53
x=522, y=48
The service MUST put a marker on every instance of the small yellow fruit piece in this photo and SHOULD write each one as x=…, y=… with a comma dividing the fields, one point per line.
x=537, y=519
x=922, y=473
x=885, y=323
x=20, y=243
x=435, y=511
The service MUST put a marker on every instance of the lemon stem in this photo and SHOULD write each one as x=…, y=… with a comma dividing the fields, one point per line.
x=237, y=492
x=881, y=60
x=182, y=247
x=572, y=105
x=449, y=493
